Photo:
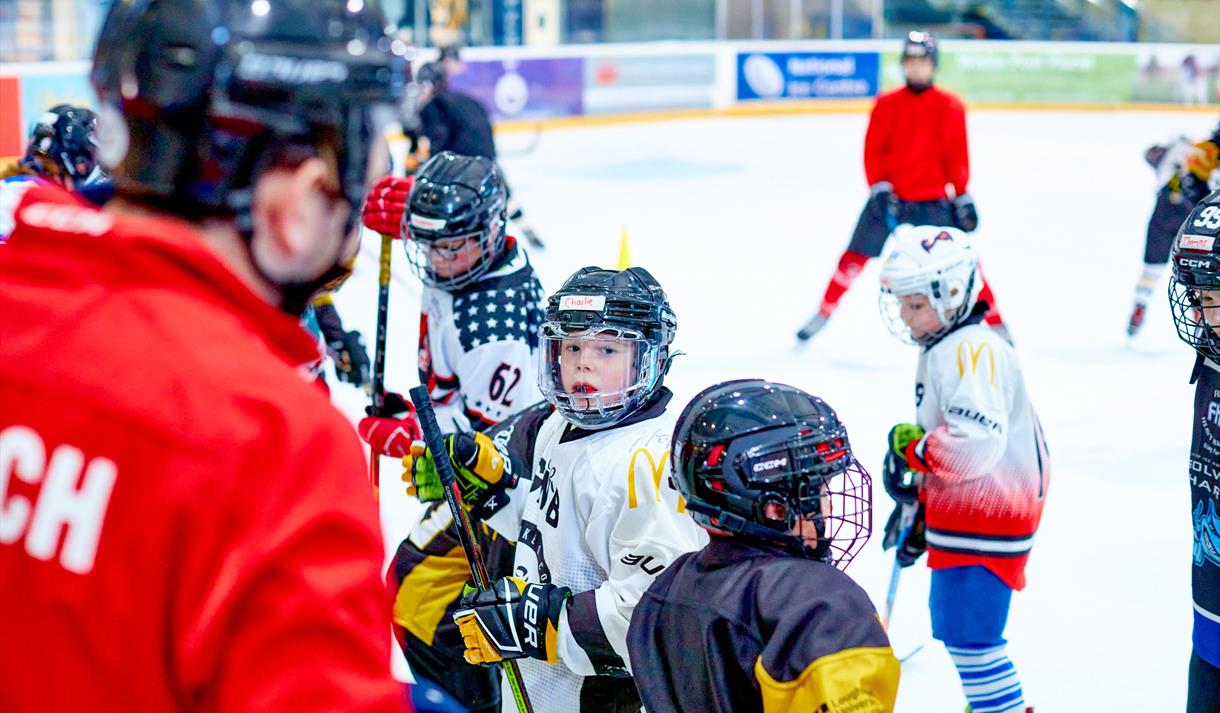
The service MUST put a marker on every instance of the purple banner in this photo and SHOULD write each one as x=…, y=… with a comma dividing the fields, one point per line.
x=524, y=88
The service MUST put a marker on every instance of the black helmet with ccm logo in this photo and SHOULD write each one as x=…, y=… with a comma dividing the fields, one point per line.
x=755, y=458
x=1194, y=283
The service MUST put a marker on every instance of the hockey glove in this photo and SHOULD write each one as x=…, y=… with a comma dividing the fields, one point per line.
x=884, y=202
x=477, y=465
x=964, y=214
x=390, y=436
x=351, y=359
x=386, y=206
x=897, y=474
x=512, y=619
x=906, y=530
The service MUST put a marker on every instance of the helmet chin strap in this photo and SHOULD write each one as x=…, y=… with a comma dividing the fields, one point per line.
x=295, y=295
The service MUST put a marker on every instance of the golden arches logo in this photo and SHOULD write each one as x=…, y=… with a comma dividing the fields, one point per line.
x=968, y=351
x=657, y=468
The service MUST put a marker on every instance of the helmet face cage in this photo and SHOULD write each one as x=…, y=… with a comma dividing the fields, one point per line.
x=1186, y=304
x=626, y=358
x=423, y=246
x=952, y=300
x=801, y=486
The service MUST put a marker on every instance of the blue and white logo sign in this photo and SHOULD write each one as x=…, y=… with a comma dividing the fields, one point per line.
x=807, y=75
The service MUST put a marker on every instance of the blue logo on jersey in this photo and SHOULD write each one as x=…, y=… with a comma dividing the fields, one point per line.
x=1207, y=534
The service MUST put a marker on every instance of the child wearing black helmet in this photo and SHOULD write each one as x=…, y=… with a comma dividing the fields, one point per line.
x=1194, y=299
x=581, y=482
x=763, y=618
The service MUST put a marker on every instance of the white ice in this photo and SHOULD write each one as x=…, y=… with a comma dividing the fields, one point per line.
x=742, y=221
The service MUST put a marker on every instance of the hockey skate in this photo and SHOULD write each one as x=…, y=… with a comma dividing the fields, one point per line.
x=812, y=327
x=1137, y=319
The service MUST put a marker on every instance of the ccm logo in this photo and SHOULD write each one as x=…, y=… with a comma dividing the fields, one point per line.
x=1191, y=262
x=770, y=464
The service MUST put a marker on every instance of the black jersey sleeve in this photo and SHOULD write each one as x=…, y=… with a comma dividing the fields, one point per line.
x=828, y=651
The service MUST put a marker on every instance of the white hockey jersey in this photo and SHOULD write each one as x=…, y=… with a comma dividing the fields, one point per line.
x=597, y=514
x=987, y=462
x=478, y=346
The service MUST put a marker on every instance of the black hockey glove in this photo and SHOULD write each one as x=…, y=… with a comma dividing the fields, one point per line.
x=964, y=214
x=351, y=359
x=884, y=202
x=512, y=619
x=906, y=530
x=897, y=475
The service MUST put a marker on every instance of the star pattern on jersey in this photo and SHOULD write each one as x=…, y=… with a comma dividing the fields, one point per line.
x=506, y=313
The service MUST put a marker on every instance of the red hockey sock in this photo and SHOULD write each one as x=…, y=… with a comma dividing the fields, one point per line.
x=849, y=268
x=992, y=317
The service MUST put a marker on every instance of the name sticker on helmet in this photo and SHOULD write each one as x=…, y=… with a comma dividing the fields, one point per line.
x=589, y=303
x=426, y=223
x=290, y=70
x=1196, y=242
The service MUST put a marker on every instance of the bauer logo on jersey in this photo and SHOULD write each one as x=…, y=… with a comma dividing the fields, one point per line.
x=587, y=303
x=1196, y=242
x=425, y=223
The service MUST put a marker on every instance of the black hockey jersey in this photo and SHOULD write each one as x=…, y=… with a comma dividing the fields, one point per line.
x=739, y=626
x=1205, y=511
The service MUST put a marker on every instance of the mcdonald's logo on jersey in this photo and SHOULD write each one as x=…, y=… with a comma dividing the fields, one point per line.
x=657, y=470
x=968, y=353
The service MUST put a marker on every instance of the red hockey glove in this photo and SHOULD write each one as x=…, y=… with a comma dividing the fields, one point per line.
x=512, y=619
x=385, y=206
x=391, y=431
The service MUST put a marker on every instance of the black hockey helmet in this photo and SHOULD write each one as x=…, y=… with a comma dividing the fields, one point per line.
x=920, y=43
x=455, y=201
x=757, y=459
x=432, y=74
x=198, y=97
x=63, y=142
x=622, y=320
x=1194, y=282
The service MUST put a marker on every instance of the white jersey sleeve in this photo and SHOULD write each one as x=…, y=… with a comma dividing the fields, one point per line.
x=638, y=526
x=12, y=190
x=964, y=394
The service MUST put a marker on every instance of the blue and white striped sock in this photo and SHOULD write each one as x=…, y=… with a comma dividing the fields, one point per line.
x=988, y=678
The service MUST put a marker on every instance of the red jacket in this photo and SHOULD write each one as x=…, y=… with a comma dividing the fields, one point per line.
x=186, y=521
x=917, y=142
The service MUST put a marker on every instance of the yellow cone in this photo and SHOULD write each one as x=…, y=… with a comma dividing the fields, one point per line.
x=624, y=251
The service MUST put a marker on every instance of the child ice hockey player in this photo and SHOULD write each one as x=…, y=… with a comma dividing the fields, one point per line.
x=1183, y=169
x=1194, y=299
x=585, y=492
x=478, y=344
x=977, y=450
x=63, y=150
x=762, y=618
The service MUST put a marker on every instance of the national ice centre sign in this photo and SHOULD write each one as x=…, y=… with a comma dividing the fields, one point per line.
x=806, y=75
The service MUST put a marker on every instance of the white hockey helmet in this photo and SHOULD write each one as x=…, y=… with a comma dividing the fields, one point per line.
x=937, y=262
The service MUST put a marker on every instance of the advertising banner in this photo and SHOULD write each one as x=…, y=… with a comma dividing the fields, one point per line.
x=1034, y=75
x=806, y=75
x=12, y=133
x=626, y=83
x=524, y=88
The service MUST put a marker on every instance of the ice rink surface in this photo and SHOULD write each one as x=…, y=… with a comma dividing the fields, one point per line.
x=743, y=219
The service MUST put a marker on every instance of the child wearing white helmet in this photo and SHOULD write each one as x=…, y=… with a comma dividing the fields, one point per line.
x=973, y=468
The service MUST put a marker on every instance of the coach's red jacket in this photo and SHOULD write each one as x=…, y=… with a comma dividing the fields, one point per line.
x=185, y=520
x=917, y=142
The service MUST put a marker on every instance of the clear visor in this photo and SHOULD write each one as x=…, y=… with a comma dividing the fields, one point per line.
x=595, y=377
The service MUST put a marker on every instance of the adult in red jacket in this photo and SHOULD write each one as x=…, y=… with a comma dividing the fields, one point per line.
x=914, y=149
x=185, y=519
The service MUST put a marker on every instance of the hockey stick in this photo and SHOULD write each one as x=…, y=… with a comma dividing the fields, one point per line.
x=465, y=530
x=383, y=312
x=528, y=148
x=908, y=518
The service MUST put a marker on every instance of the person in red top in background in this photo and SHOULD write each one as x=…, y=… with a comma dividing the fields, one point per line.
x=915, y=148
x=186, y=520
